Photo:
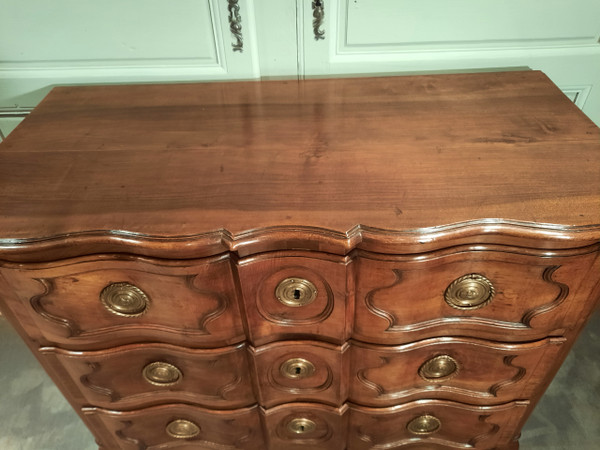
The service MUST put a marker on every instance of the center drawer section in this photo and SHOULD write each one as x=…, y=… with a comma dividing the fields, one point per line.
x=293, y=371
x=296, y=295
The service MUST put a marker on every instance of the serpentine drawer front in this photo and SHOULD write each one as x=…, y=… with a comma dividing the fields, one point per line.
x=327, y=264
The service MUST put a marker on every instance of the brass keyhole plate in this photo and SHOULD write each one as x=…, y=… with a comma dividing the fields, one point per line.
x=297, y=368
x=301, y=425
x=295, y=292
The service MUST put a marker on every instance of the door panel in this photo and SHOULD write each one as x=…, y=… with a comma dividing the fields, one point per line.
x=115, y=41
x=423, y=36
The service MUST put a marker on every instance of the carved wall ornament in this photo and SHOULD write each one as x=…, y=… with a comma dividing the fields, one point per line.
x=235, y=25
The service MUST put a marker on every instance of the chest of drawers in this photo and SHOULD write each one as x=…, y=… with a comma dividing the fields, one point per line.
x=330, y=264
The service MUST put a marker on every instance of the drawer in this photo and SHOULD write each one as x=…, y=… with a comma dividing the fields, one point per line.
x=435, y=424
x=134, y=376
x=301, y=426
x=296, y=295
x=462, y=369
x=493, y=293
x=106, y=300
x=178, y=426
x=301, y=371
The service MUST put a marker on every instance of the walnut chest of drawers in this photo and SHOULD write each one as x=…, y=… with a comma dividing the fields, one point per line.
x=331, y=264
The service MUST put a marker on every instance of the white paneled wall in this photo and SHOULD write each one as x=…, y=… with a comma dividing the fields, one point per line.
x=428, y=36
x=45, y=43
x=9, y=122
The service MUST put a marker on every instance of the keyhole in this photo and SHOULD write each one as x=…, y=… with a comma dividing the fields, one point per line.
x=297, y=294
x=298, y=370
x=302, y=428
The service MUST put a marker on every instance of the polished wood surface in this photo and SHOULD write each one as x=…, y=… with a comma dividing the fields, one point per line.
x=145, y=429
x=146, y=167
x=400, y=299
x=328, y=316
x=461, y=426
x=486, y=372
x=192, y=303
x=329, y=264
x=325, y=382
x=114, y=378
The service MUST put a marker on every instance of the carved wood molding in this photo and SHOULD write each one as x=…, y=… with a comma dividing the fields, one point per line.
x=370, y=303
x=85, y=381
x=382, y=395
x=385, y=394
x=492, y=417
x=494, y=428
x=36, y=303
x=547, y=307
x=521, y=371
x=525, y=322
x=121, y=435
x=221, y=299
x=126, y=421
x=74, y=331
x=580, y=240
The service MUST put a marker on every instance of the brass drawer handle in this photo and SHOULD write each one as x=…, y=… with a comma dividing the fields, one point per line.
x=125, y=299
x=425, y=424
x=182, y=429
x=297, y=368
x=301, y=425
x=162, y=374
x=439, y=368
x=470, y=291
x=295, y=292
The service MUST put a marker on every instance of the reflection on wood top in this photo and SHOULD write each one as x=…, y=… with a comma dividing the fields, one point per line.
x=397, y=154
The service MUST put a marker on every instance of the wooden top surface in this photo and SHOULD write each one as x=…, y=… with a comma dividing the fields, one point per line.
x=398, y=154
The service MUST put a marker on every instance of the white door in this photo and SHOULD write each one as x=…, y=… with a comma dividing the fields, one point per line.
x=44, y=43
x=559, y=37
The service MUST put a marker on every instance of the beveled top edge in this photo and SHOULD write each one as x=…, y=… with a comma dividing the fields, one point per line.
x=277, y=238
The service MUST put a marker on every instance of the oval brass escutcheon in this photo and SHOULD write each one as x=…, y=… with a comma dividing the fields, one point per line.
x=297, y=368
x=425, y=424
x=182, y=429
x=295, y=292
x=162, y=374
x=470, y=291
x=439, y=368
x=124, y=299
x=301, y=425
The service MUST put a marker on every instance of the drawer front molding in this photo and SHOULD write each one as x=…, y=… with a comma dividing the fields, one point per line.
x=529, y=301
x=194, y=300
x=488, y=372
x=526, y=236
x=115, y=378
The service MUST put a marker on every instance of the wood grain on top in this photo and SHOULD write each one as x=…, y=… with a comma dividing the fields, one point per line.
x=397, y=154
